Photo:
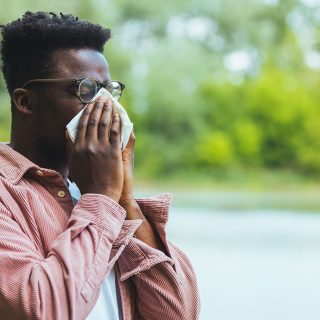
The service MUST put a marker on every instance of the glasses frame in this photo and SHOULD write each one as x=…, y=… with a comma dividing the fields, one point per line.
x=77, y=82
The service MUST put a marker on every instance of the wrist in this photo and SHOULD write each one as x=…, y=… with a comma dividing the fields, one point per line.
x=128, y=202
x=108, y=193
x=132, y=209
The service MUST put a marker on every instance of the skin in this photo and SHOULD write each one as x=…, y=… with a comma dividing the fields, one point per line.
x=95, y=161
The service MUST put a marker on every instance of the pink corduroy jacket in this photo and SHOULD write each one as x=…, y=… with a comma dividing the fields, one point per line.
x=54, y=255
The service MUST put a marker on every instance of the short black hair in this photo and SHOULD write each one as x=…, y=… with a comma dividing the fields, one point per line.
x=28, y=43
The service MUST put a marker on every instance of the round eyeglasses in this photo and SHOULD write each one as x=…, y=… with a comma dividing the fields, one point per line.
x=87, y=88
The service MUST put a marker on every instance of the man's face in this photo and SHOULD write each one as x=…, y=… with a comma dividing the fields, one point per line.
x=57, y=104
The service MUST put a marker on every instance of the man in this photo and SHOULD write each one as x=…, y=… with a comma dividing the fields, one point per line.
x=100, y=254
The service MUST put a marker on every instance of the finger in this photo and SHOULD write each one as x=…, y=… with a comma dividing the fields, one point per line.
x=115, y=131
x=105, y=121
x=82, y=124
x=92, y=126
x=131, y=141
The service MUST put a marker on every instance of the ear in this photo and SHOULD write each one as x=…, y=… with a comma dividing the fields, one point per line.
x=23, y=101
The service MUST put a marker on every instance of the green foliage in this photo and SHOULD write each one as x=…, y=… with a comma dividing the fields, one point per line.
x=190, y=111
x=215, y=149
x=247, y=141
x=273, y=120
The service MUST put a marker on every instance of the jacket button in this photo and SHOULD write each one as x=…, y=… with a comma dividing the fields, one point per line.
x=40, y=173
x=61, y=194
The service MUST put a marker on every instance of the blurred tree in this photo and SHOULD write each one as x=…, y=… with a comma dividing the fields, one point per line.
x=217, y=84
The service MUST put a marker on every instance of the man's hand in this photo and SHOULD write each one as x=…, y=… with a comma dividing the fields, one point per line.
x=95, y=162
x=145, y=232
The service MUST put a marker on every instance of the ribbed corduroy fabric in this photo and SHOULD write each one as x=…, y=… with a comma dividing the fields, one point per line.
x=54, y=256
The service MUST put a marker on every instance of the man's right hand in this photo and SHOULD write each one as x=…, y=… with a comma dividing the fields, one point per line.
x=95, y=161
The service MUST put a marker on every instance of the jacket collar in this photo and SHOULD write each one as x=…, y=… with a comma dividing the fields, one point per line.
x=13, y=165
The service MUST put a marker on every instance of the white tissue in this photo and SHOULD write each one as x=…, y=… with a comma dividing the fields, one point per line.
x=126, y=124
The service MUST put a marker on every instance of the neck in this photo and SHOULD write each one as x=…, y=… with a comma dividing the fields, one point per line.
x=39, y=154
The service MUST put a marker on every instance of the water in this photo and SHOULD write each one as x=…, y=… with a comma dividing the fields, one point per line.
x=253, y=264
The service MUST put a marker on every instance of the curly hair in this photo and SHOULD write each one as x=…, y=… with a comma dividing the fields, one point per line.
x=28, y=43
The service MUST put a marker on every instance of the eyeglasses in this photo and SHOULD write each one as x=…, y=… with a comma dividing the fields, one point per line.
x=87, y=87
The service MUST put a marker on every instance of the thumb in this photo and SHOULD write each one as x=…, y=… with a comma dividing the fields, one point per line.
x=128, y=152
x=132, y=140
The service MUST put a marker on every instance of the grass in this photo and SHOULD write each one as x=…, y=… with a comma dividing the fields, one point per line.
x=233, y=179
x=237, y=190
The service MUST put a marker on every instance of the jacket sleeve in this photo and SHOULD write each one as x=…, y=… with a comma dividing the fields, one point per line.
x=165, y=285
x=66, y=283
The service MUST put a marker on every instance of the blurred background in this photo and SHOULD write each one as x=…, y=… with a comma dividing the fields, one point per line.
x=224, y=96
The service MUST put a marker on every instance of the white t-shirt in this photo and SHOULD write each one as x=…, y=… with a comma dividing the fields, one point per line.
x=106, y=307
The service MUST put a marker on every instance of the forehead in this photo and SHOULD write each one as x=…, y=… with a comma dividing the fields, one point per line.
x=79, y=63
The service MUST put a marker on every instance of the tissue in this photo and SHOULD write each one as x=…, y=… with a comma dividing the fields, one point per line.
x=126, y=124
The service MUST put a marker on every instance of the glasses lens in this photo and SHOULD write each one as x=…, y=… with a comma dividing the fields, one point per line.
x=114, y=88
x=87, y=89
